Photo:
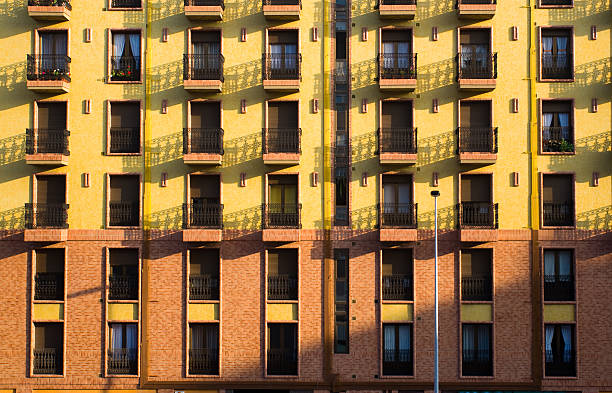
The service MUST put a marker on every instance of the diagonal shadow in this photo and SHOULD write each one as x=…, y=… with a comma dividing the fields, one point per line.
x=242, y=149
x=166, y=9
x=13, y=218
x=12, y=149
x=364, y=73
x=166, y=76
x=245, y=219
x=436, y=148
x=240, y=9
x=580, y=10
x=446, y=218
x=363, y=147
x=165, y=149
x=242, y=76
x=592, y=74
x=171, y=218
x=596, y=219
x=12, y=74
x=435, y=75
x=364, y=218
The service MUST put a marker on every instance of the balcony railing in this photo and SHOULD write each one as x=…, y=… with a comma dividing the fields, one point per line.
x=561, y=365
x=48, y=68
x=397, y=2
x=397, y=66
x=282, y=215
x=478, y=215
x=477, y=140
x=203, y=215
x=398, y=215
x=397, y=287
x=477, y=362
x=49, y=286
x=286, y=66
x=203, y=67
x=341, y=155
x=283, y=2
x=558, y=214
x=125, y=68
x=203, y=287
x=397, y=140
x=558, y=288
x=125, y=140
x=555, y=2
x=397, y=362
x=557, y=139
x=476, y=2
x=50, y=3
x=282, y=140
x=556, y=66
x=126, y=4
x=282, y=287
x=282, y=361
x=42, y=140
x=205, y=3
x=123, y=287
x=124, y=214
x=477, y=65
x=476, y=288
x=122, y=361
x=203, y=140
x=204, y=361
x=46, y=215
x=47, y=361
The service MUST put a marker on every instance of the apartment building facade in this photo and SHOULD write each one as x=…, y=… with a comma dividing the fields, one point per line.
x=234, y=195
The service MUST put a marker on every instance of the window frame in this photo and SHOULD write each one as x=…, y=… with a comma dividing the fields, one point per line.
x=572, y=114
x=107, y=144
x=111, y=8
x=574, y=346
x=108, y=191
x=491, y=349
x=571, y=46
x=541, y=189
x=109, y=52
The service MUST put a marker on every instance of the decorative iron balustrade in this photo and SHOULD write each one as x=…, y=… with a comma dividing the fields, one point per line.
x=558, y=214
x=555, y=2
x=50, y=3
x=282, y=361
x=397, y=140
x=476, y=2
x=124, y=214
x=203, y=215
x=203, y=287
x=124, y=140
x=49, y=286
x=203, y=140
x=477, y=362
x=282, y=287
x=556, y=66
x=125, y=68
x=397, y=66
x=203, y=67
x=477, y=65
x=477, y=140
x=122, y=361
x=41, y=140
x=204, y=361
x=282, y=140
x=397, y=2
x=558, y=139
x=398, y=215
x=478, y=215
x=278, y=66
x=397, y=287
x=478, y=288
x=48, y=68
x=126, y=4
x=205, y=3
x=46, y=215
x=560, y=364
x=558, y=288
x=47, y=361
x=397, y=362
x=282, y=215
x=123, y=287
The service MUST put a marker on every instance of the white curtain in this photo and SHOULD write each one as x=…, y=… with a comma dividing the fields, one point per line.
x=565, y=263
x=404, y=198
x=118, y=44
x=550, y=330
x=483, y=342
x=549, y=266
x=481, y=55
x=135, y=44
x=276, y=51
x=404, y=343
x=116, y=336
x=389, y=345
x=290, y=56
x=566, y=332
x=547, y=45
x=403, y=55
x=388, y=49
x=466, y=56
x=561, y=51
x=468, y=343
x=564, y=123
x=389, y=197
x=547, y=120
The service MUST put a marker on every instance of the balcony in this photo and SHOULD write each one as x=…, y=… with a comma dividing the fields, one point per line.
x=559, y=288
x=47, y=146
x=397, y=145
x=397, y=71
x=557, y=66
x=558, y=140
x=282, y=9
x=282, y=72
x=55, y=10
x=204, y=9
x=558, y=215
x=282, y=287
x=282, y=361
x=123, y=287
x=556, y=3
x=49, y=286
x=124, y=214
x=398, y=222
x=125, y=69
x=126, y=4
x=124, y=140
x=47, y=361
x=477, y=71
x=397, y=9
x=397, y=362
x=202, y=222
x=282, y=146
x=476, y=9
x=202, y=146
x=48, y=73
x=476, y=288
x=560, y=365
x=122, y=361
x=47, y=222
x=203, y=287
x=203, y=73
x=397, y=287
x=477, y=145
x=204, y=361
x=476, y=362
x=281, y=222
x=478, y=221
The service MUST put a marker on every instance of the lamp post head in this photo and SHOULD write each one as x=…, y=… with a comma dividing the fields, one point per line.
x=435, y=194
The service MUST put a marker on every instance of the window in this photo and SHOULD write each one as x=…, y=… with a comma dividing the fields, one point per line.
x=341, y=327
x=282, y=134
x=397, y=281
x=282, y=349
x=398, y=209
x=397, y=351
x=396, y=60
x=476, y=277
x=204, y=208
x=204, y=348
x=125, y=57
x=52, y=61
x=203, y=274
x=282, y=57
x=123, y=279
x=282, y=274
x=556, y=3
x=557, y=127
x=124, y=132
x=475, y=58
x=477, y=357
x=50, y=134
x=205, y=59
x=282, y=209
x=205, y=134
x=48, y=348
x=476, y=208
x=558, y=275
x=125, y=4
x=557, y=200
x=124, y=200
x=49, y=209
x=123, y=348
x=560, y=353
x=49, y=276
x=476, y=132
x=556, y=54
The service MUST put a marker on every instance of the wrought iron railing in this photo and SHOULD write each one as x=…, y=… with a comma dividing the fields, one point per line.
x=341, y=155
x=397, y=2
x=51, y=3
x=49, y=286
x=477, y=362
x=282, y=361
x=476, y=2
x=478, y=215
x=558, y=214
x=203, y=140
x=397, y=362
x=397, y=140
x=126, y=4
x=556, y=66
x=286, y=66
x=46, y=215
x=203, y=215
x=555, y=2
x=476, y=288
x=204, y=3
x=124, y=214
x=48, y=68
x=560, y=364
x=203, y=67
x=124, y=140
x=558, y=139
x=397, y=66
x=125, y=68
x=48, y=361
x=203, y=287
x=282, y=215
x=123, y=287
x=559, y=287
x=283, y=2
x=282, y=287
x=282, y=140
x=40, y=140
x=477, y=65
x=204, y=361
x=122, y=361
x=477, y=139
x=398, y=215
x=397, y=287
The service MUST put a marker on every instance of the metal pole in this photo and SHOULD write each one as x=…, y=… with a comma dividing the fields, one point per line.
x=436, y=360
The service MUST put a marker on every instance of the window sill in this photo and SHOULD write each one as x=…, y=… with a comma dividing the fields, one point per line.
x=558, y=227
x=32, y=375
x=204, y=302
x=212, y=376
x=553, y=6
x=556, y=80
x=123, y=301
x=48, y=301
x=130, y=376
x=559, y=377
x=476, y=377
x=138, y=227
x=557, y=153
x=125, y=9
x=397, y=376
x=109, y=81
x=123, y=154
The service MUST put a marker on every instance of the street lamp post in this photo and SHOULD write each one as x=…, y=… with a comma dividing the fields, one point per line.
x=435, y=195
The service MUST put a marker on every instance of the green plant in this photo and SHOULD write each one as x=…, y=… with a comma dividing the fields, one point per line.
x=565, y=146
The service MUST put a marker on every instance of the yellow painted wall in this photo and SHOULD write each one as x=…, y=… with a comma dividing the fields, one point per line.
x=122, y=312
x=282, y=312
x=397, y=312
x=203, y=311
x=477, y=312
x=559, y=312
x=49, y=312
